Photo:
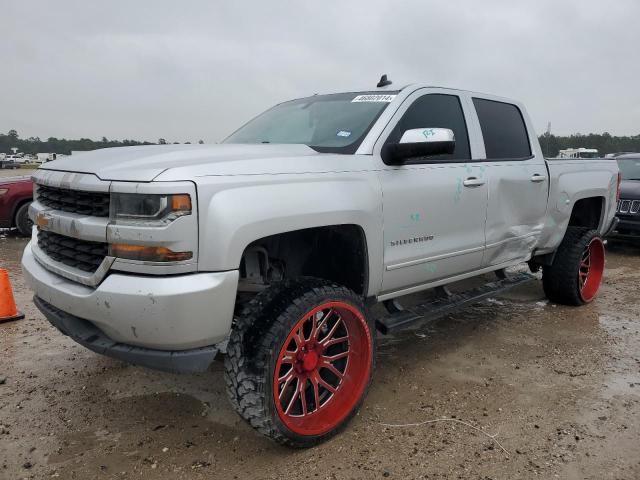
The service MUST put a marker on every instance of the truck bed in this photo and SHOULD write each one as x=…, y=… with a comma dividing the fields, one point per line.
x=573, y=179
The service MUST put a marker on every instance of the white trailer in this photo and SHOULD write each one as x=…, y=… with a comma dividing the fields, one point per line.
x=579, y=153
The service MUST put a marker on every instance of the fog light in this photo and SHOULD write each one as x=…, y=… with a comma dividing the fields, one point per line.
x=147, y=254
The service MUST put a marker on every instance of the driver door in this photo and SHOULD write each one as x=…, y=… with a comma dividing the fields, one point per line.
x=434, y=207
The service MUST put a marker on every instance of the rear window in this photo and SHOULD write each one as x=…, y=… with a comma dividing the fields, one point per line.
x=505, y=134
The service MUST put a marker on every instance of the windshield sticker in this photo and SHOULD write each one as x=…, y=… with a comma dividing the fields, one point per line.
x=374, y=98
x=343, y=133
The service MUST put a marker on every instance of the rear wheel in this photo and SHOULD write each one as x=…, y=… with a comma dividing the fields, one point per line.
x=22, y=220
x=299, y=361
x=576, y=273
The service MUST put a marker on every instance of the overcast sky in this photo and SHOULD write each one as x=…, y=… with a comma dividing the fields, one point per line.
x=197, y=69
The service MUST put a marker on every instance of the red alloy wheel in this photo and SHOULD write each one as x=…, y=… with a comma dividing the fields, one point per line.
x=591, y=269
x=323, y=368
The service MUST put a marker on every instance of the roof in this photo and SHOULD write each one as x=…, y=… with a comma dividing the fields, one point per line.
x=411, y=87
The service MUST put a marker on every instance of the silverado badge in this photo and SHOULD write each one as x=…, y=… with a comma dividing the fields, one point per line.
x=407, y=241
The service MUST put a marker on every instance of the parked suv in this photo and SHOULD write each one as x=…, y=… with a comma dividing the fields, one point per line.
x=628, y=207
x=16, y=194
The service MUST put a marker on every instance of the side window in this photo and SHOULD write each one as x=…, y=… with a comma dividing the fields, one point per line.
x=436, y=111
x=505, y=134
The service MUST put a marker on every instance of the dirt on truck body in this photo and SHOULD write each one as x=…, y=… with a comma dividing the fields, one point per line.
x=557, y=387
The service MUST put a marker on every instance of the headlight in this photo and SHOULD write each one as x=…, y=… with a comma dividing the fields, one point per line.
x=147, y=210
x=134, y=207
x=3, y=191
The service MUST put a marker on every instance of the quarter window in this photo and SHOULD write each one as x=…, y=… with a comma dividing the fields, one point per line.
x=505, y=134
x=436, y=111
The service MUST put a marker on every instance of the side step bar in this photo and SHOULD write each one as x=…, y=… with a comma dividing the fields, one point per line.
x=448, y=303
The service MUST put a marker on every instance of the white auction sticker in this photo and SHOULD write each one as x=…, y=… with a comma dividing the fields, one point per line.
x=374, y=98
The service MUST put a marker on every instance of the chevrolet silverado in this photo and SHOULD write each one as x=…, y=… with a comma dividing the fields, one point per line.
x=272, y=246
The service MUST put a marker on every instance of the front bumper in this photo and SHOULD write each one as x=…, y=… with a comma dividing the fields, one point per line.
x=89, y=336
x=178, y=312
x=627, y=226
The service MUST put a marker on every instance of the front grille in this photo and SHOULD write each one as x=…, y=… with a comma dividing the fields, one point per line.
x=80, y=254
x=95, y=204
x=630, y=207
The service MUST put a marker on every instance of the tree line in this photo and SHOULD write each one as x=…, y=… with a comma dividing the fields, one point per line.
x=33, y=145
x=603, y=142
x=551, y=144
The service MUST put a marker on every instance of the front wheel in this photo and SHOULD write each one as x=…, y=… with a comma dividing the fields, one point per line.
x=22, y=220
x=576, y=273
x=299, y=361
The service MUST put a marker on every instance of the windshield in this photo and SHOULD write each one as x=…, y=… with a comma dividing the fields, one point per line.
x=630, y=168
x=327, y=123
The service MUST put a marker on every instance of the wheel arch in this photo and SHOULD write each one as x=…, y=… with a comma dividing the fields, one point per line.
x=588, y=212
x=337, y=253
x=240, y=214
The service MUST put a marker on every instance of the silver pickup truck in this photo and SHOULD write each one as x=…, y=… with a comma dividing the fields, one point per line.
x=272, y=246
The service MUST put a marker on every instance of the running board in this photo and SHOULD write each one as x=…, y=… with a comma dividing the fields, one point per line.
x=447, y=303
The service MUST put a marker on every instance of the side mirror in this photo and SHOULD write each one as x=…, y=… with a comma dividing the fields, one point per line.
x=419, y=142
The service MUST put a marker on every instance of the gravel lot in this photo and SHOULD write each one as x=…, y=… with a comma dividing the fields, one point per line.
x=558, y=388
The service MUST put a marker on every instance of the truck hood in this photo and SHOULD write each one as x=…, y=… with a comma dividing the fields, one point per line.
x=183, y=162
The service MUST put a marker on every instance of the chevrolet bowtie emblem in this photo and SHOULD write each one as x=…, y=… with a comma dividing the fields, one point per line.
x=42, y=220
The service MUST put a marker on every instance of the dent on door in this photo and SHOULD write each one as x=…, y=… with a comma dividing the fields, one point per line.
x=516, y=213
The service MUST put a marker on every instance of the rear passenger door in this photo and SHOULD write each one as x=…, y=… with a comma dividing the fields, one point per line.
x=518, y=182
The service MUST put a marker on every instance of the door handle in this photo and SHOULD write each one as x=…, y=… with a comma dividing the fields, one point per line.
x=537, y=178
x=473, y=182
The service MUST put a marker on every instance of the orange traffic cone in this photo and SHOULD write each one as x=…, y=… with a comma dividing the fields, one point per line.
x=8, y=310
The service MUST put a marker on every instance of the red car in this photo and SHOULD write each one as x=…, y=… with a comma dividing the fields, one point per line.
x=16, y=194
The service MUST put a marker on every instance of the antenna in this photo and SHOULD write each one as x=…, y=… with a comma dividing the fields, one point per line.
x=384, y=81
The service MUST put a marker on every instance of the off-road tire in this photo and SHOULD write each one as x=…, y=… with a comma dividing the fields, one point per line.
x=22, y=221
x=257, y=336
x=560, y=280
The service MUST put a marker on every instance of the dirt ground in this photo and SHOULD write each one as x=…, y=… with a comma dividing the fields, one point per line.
x=15, y=173
x=558, y=388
